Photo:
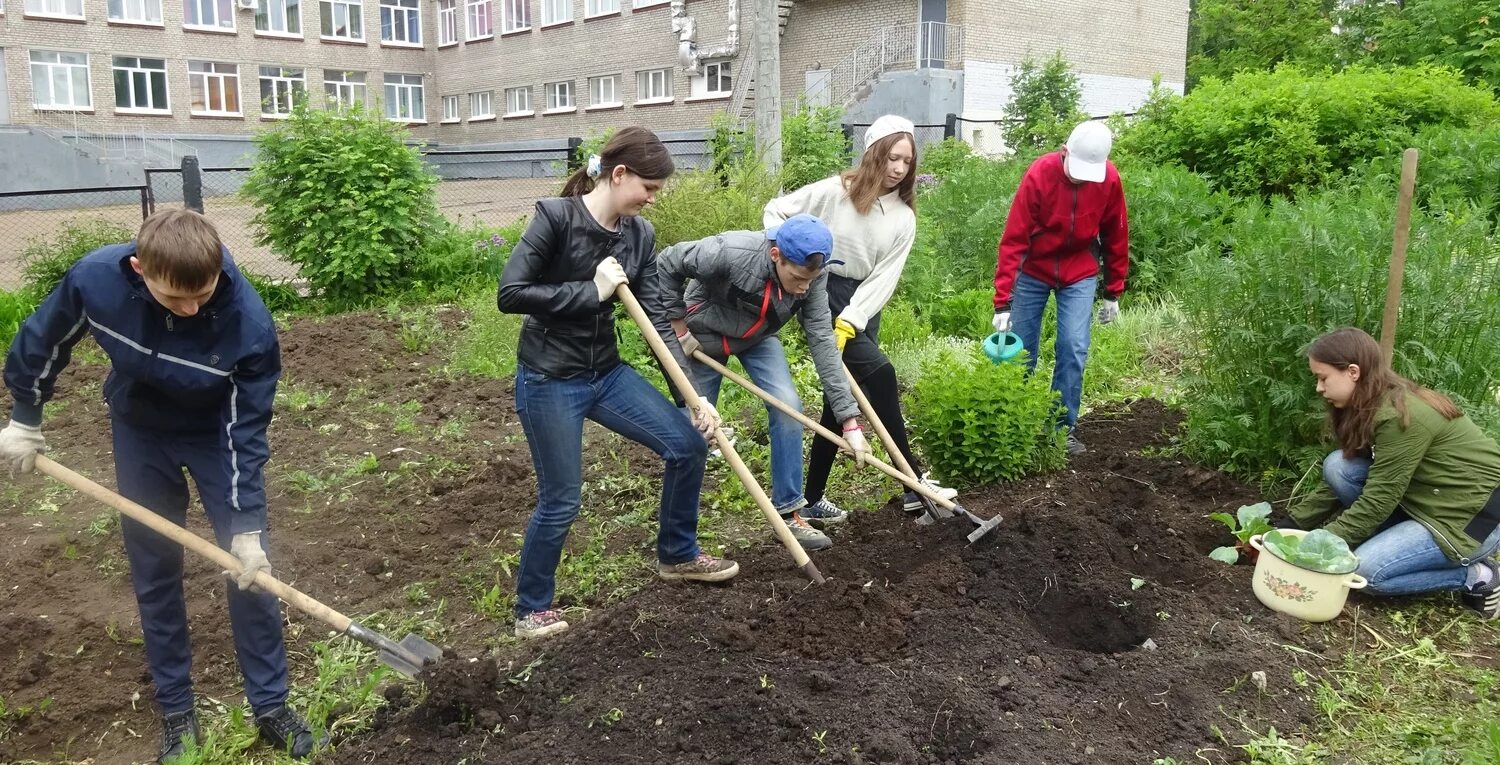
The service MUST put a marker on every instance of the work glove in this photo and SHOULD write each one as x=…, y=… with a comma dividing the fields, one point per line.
x=608, y=276
x=690, y=344
x=1001, y=322
x=246, y=548
x=855, y=438
x=843, y=332
x=706, y=417
x=19, y=444
x=1109, y=310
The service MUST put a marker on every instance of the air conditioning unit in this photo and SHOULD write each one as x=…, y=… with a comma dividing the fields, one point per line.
x=246, y=5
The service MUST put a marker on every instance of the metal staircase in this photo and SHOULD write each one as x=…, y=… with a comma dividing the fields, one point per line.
x=742, y=103
x=140, y=146
x=927, y=44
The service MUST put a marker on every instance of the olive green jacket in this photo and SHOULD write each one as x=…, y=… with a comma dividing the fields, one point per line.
x=1441, y=472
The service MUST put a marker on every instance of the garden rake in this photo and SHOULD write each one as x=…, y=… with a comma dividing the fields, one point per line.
x=680, y=379
x=409, y=657
x=905, y=477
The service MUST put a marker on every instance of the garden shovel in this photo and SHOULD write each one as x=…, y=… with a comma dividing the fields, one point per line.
x=408, y=657
x=680, y=379
x=984, y=526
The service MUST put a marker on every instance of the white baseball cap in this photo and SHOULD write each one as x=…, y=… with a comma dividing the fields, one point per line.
x=1088, y=152
x=888, y=125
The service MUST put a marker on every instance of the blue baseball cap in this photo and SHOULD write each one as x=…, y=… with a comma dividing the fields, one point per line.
x=801, y=237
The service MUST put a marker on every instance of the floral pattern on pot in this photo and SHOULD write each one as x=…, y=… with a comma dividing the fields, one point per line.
x=1293, y=591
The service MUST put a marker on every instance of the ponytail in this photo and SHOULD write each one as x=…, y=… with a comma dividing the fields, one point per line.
x=634, y=147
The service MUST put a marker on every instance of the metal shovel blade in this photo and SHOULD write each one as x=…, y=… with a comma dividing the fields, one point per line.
x=984, y=526
x=409, y=657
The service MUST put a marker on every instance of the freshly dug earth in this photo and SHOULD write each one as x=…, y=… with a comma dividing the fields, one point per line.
x=1033, y=645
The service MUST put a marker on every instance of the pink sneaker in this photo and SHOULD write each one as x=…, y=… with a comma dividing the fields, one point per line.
x=540, y=624
x=704, y=568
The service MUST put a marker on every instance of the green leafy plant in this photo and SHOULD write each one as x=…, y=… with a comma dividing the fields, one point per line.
x=1462, y=34
x=14, y=308
x=943, y=158
x=47, y=259
x=342, y=196
x=1229, y=36
x=1319, y=550
x=279, y=296
x=1248, y=521
x=980, y=423
x=813, y=145
x=1043, y=106
x=695, y=205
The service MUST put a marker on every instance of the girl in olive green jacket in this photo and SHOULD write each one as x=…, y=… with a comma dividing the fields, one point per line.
x=1415, y=484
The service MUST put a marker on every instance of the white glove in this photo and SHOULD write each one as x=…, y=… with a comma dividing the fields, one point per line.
x=1109, y=310
x=19, y=445
x=1002, y=322
x=608, y=277
x=690, y=344
x=246, y=547
x=855, y=438
x=705, y=417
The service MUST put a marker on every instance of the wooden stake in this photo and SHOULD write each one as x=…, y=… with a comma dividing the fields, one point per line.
x=1398, y=254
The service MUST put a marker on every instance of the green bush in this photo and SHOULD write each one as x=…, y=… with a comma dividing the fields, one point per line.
x=1229, y=36
x=964, y=313
x=1455, y=167
x=460, y=259
x=1173, y=212
x=813, y=146
x=1300, y=269
x=695, y=205
x=981, y=423
x=1044, y=106
x=279, y=296
x=943, y=158
x=342, y=196
x=1282, y=132
x=959, y=222
x=14, y=308
x=47, y=259
x=1462, y=34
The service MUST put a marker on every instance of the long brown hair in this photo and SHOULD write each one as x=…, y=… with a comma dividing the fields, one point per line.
x=637, y=148
x=1354, y=424
x=866, y=182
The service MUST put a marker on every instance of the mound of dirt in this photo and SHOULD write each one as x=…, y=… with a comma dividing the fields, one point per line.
x=1089, y=628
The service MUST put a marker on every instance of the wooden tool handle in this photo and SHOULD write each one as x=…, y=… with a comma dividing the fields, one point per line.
x=808, y=422
x=1398, y=253
x=885, y=435
x=689, y=394
x=192, y=542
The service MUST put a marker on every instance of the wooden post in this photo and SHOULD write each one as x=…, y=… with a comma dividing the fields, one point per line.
x=1398, y=254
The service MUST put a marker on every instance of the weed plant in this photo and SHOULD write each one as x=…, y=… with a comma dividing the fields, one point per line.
x=47, y=259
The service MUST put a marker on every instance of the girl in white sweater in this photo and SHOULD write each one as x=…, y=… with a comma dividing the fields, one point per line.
x=871, y=211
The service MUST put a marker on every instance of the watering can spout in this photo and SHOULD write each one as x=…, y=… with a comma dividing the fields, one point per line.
x=1001, y=348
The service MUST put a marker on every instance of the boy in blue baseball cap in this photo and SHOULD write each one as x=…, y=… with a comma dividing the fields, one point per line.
x=729, y=295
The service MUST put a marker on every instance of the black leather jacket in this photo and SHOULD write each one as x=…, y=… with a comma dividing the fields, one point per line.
x=550, y=278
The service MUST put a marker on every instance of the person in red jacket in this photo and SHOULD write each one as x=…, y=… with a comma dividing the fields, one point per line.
x=1068, y=218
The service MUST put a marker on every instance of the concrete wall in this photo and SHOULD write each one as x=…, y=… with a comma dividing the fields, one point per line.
x=822, y=33
x=924, y=96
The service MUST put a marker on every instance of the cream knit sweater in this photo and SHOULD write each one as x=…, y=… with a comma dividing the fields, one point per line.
x=873, y=246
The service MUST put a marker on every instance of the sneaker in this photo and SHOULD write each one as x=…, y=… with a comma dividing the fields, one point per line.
x=810, y=538
x=176, y=730
x=913, y=502
x=540, y=624
x=823, y=512
x=1486, y=601
x=286, y=731
x=1075, y=447
x=704, y=568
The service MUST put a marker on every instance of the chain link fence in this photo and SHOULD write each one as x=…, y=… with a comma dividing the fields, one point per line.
x=30, y=220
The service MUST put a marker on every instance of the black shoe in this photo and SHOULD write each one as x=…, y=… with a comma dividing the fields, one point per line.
x=176, y=729
x=1487, y=600
x=1075, y=447
x=286, y=731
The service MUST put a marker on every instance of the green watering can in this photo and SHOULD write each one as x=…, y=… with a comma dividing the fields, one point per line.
x=1001, y=348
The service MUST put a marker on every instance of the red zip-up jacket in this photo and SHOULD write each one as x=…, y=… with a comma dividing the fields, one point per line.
x=1059, y=232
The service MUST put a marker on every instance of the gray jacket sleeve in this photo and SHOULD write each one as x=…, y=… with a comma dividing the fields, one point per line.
x=817, y=327
x=703, y=260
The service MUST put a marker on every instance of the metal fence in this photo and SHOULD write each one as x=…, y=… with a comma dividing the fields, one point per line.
x=925, y=135
x=28, y=219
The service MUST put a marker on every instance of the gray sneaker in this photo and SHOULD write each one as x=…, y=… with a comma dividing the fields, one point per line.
x=810, y=538
x=1075, y=447
x=913, y=502
x=540, y=624
x=823, y=512
x=704, y=568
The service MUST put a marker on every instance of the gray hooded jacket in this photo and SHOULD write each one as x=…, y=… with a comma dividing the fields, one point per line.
x=726, y=288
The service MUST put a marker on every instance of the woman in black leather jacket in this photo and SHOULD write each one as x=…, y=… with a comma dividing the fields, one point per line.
x=563, y=275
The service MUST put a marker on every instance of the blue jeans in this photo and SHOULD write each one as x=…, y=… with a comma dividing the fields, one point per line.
x=552, y=410
x=148, y=470
x=765, y=363
x=1402, y=558
x=1075, y=321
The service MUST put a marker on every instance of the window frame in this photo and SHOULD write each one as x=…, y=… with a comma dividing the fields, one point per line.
x=507, y=11
x=469, y=18
x=554, y=5
x=263, y=11
x=166, y=84
x=417, y=107
x=292, y=84
x=530, y=108
x=615, y=102
x=597, y=9
x=354, y=14
x=447, y=22
x=453, y=117
x=551, y=89
x=220, y=7
x=88, y=80
x=642, y=95
x=44, y=13
x=487, y=99
x=721, y=76
x=194, y=80
x=408, y=13
x=345, y=83
x=124, y=7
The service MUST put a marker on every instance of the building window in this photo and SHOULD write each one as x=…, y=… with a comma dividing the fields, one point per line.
x=600, y=7
x=60, y=80
x=137, y=11
x=559, y=96
x=714, y=81
x=447, y=22
x=450, y=109
x=403, y=98
x=344, y=88
x=604, y=91
x=281, y=89
x=515, y=15
x=649, y=3
x=72, y=9
x=215, y=88
x=401, y=22
x=556, y=11
x=517, y=101
x=343, y=19
x=213, y=14
x=141, y=84
x=479, y=19
x=655, y=85
x=281, y=16
x=482, y=105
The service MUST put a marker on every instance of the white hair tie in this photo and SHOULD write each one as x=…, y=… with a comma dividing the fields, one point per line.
x=595, y=165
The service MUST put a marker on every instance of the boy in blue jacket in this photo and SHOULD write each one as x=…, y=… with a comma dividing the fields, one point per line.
x=193, y=368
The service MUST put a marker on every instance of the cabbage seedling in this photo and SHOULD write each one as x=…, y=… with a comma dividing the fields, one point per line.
x=1248, y=521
